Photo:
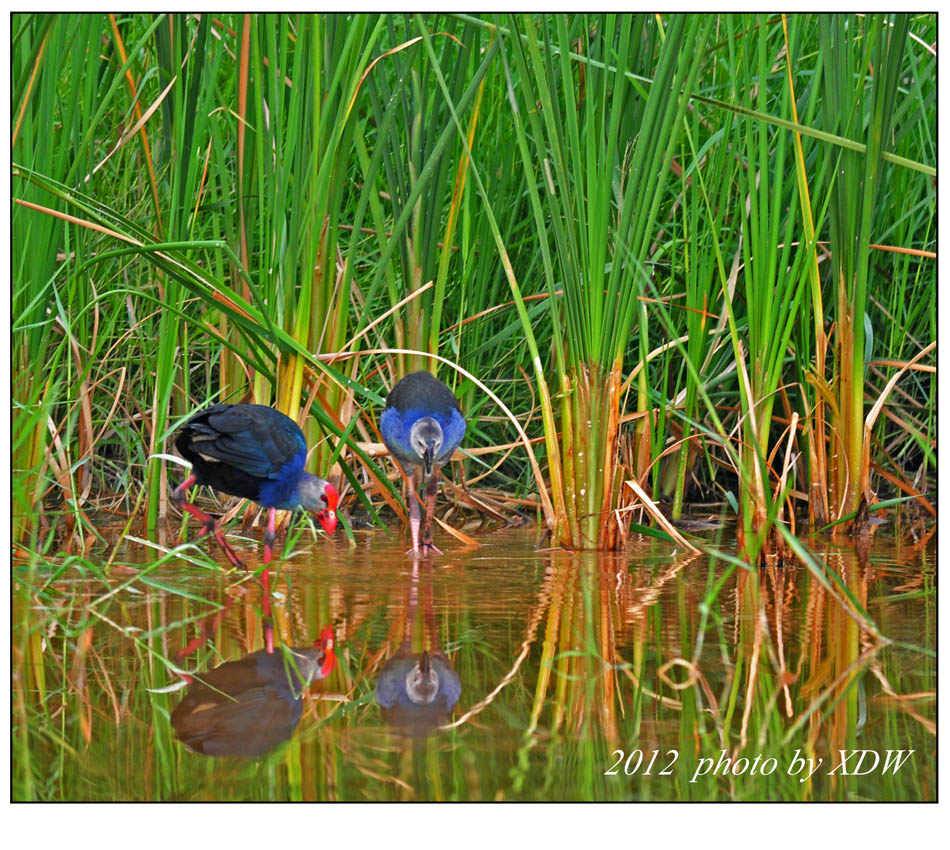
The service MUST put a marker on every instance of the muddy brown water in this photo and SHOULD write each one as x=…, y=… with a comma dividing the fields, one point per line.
x=547, y=675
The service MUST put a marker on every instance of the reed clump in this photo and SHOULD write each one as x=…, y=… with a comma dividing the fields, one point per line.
x=692, y=255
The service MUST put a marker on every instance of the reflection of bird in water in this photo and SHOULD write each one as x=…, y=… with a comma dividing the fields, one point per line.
x=417, y=691
x=249, y=706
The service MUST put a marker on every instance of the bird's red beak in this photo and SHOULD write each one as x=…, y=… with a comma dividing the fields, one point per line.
x=328, y=517
x=326, y=643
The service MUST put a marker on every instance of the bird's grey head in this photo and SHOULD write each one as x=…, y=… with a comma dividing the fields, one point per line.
x=425, y=437
x=422, y=682
x=319, y=497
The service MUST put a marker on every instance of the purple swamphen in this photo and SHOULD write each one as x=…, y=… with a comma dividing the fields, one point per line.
x=249, y=706
x=255, y=452
x=422, y=426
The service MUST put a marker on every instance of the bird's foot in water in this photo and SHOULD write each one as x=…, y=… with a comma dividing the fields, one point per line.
x=209, y=529
x=232, y=556
x=425, y=550
x=226, y=547
x=426, y=543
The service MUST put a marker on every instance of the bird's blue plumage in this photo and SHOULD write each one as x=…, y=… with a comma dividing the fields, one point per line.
x=396, y=428
x=280, y=489
x=415, y=397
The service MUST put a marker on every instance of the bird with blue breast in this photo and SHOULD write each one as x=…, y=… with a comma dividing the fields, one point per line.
x=422, y=426
x=257, y=453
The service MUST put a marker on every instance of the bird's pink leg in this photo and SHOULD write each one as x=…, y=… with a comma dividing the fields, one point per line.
x=270, y=535
x=180, y=496
x=431, y=489
x=413, y=516
x=413, y=508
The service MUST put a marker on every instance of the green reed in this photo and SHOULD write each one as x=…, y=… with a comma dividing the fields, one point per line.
x=610, y=148
x=865, y=110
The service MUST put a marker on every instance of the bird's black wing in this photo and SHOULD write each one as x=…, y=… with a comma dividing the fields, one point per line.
x=421, y=390
x=253, y=438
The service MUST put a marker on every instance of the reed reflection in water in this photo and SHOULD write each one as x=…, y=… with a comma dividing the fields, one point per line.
x=499, y=672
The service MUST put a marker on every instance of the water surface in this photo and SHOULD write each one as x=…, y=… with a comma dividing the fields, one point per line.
x=551, y=675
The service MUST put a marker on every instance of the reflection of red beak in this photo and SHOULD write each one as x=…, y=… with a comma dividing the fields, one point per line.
x=326, y=643
x=328, y=517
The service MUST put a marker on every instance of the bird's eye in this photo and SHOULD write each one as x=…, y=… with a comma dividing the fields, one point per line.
x=323, y=496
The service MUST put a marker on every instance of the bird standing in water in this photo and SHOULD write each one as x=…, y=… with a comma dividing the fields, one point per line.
x=257, y=453
x=422, y=426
